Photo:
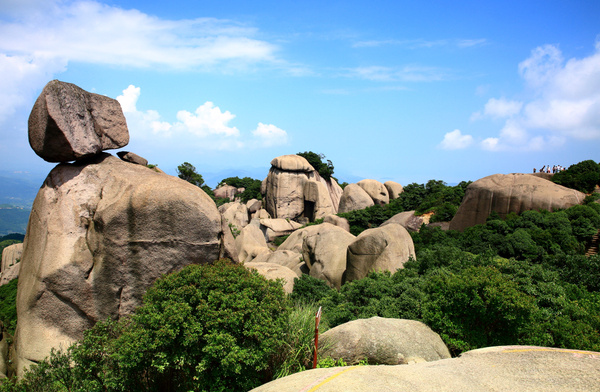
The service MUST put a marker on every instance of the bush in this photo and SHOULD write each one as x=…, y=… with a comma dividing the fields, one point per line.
x=8, y=305
x=583, y=176
x=316, y=161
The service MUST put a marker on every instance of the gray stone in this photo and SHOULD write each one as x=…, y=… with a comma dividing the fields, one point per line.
x=273, y=228
x=324, y=251
x=354, y=198
x=11, y=255
x=384, y=248
x=317, y=197
x=287, y=258
x=273, y=271
x=394, y=189
x=100, y=234
x=383, y=341
x=408, y=220
x=226, y=191
x=506, y=193
x=250, y=244
x=132, y=158
x=376, y=190
x=493, y=369
x=68, y=123
x=337, y=221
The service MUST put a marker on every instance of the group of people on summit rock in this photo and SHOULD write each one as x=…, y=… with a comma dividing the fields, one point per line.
x=548, y=169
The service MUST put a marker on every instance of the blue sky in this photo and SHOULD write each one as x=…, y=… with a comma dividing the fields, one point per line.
x=391, y=90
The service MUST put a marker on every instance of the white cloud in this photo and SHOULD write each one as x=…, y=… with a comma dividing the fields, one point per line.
x=455, y=140
x=208, y=127
x=21, y=78
x=269, y=135
x=564, y=103
x=91, y=32
x=40, y=38
x=408, y=73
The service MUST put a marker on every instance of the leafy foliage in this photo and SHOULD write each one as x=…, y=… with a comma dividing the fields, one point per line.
x=186, y=171
x=8, y=305
x=252, y=187
x=206, y=328
x=316, y=161
x=583, y=176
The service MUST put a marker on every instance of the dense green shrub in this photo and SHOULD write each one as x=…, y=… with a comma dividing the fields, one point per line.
x=583, y=176
x=8, y=305
x=250, y=185
x=206, y=328
x=316, y=161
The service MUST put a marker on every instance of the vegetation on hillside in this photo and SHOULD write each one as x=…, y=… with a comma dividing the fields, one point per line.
x=583, y=176
x=251, y=187
x=435, y=196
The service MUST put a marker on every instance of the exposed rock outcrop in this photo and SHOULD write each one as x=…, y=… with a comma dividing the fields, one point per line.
x=337, y=221
x=68, y=123
x=317, y=202
x=274, y=271
x=506, y=193
x=234, y=217
x=324, y=252
x=376, y=190
x=408, y=220
x=383, y=341
x=394, y=189
x=11, y=255
x=354, y=198
x=287, y=258
x=273, y=228
x=226, y=191
x=99, y=235
x=492, y=369
x=384, y=248
x=250, y=243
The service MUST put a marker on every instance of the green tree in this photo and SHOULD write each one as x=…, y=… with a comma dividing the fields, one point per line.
x=583, y=176
x=316, y=161
x=186, y=171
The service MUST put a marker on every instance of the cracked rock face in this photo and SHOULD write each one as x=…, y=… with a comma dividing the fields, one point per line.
x=99, y=235
x=68, y=123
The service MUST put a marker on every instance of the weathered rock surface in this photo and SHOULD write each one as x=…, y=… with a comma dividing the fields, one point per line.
x=273, y=271
x=226, y=191
x=354, y=198
x=384, y=248
x=383, y=341
x=324, y=251
x=253, y=205
x=11, y=255
x=505, y=193
x=99, y=235
x=3, y=352
x=132, y=158
x=317, y=202
x=234, y=217
x=493, y=369
x=394, y=189
x=287, y=258
x=68, y=123
x=250, y=243
x=285, y=185
x=296, y=239
x=278, y=227
x=408, y=220
x=337, y=221
x=376, y=190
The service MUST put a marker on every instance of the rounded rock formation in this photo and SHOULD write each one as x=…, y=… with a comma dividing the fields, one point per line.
x=354, y=198
x=506, y=193
x=376, y=190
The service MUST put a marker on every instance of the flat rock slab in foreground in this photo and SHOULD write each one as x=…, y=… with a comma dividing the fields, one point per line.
x=505, y=368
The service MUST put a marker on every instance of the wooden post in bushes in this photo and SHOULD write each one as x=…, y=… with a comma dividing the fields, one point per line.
x=317, y=321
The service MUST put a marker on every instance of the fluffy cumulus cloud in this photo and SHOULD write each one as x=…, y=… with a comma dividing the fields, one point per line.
x=40, y=38
x=455, y=140
x=208, y=126
x=564, y=103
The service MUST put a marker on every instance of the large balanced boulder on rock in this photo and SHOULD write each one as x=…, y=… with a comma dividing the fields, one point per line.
x=324, y=251
x=68, y=123
x=385, y=248
x=506, y=193
x=493, y=369
x=99, y=235
x=383, y=341
x=354, y=198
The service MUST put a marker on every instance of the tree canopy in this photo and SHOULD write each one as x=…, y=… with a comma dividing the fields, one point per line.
x=316, y=161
